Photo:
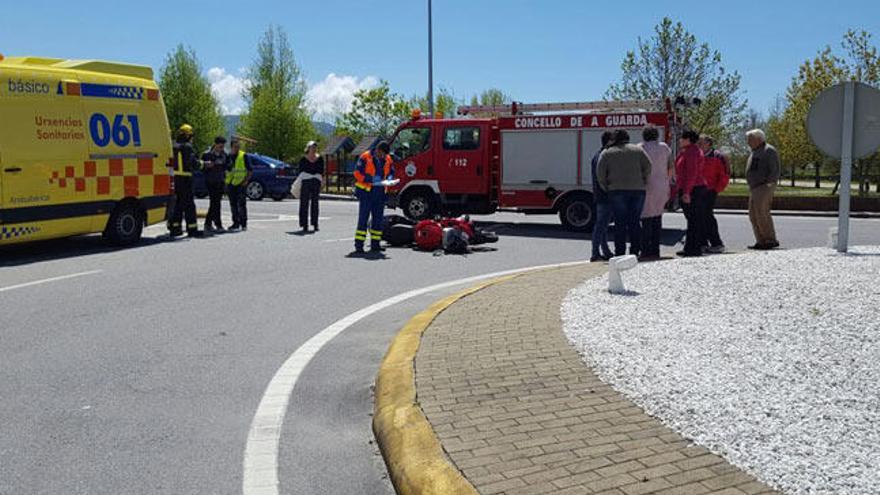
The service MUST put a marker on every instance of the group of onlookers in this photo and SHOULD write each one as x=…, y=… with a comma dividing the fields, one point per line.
x=632, y=186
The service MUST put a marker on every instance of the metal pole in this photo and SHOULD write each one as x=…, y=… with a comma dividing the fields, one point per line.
x=849, y=96
x=430, y=65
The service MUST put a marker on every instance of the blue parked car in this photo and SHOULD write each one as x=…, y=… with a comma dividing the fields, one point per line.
x=271, y=177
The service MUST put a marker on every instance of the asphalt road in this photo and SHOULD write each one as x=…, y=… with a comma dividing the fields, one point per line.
x=141, y=372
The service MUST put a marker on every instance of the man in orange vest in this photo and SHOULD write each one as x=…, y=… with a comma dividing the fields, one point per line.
x=372, y=168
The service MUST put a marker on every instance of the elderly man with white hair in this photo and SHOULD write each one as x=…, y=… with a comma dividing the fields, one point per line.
x=762, y=173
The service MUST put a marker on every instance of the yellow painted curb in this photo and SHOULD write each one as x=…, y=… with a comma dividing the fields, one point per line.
x=412, y=451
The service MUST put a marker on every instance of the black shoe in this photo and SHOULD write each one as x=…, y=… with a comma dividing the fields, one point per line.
x=597, y=259
x=359, y=250
x=688, y=254
x=761, y=246
x=773, y=244
x=244, y=228
x=376, y=248
x=315, y=227
x=195, y=233
x=234, y=227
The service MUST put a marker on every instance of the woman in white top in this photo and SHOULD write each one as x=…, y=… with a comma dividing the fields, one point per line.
x=657, y=193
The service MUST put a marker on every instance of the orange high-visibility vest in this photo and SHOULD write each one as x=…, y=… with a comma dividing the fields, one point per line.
x=360, y=176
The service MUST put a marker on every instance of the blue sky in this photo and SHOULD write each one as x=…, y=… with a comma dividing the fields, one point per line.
x=550, y=50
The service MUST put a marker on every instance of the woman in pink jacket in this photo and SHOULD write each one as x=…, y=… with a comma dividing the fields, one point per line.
x=657, y=193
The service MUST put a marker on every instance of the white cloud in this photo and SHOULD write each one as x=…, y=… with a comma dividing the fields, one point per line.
x=333, y=96
x=227, y=88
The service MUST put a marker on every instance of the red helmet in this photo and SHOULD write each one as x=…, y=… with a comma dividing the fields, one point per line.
x=429, y=235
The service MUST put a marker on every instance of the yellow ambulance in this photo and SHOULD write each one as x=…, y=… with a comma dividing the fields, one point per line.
x=84, y=147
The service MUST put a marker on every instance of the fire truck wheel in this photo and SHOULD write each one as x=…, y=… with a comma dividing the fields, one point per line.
x=125, y=225
x=576, y=214
x=419, y=204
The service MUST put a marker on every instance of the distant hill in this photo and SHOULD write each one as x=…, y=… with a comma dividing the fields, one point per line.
x=324, y=128
x=232, y=121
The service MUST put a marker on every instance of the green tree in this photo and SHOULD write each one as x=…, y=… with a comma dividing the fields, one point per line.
x=863, y=65
x=276, y=116
x=858, y=61
x=789, y=130
x=188, y=97
x=494, y=96
x=375, y=112
x=445, y=103
x=674, y=63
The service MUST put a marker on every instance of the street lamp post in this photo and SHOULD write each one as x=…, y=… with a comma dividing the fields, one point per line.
x=430, y=65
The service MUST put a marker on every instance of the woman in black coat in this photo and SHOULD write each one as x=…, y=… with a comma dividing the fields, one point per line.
x=311, y=169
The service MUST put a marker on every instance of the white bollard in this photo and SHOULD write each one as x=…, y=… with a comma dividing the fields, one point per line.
x=832, y=238
x=615, y=266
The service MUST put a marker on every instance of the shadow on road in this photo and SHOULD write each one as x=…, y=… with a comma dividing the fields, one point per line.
x=669, y=237
x=70, y=247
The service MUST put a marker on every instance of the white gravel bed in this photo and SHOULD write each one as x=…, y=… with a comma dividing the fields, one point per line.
x=769, y=359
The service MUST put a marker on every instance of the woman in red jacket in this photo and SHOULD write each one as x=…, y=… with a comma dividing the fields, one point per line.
x=692, y=190
x=716, y=171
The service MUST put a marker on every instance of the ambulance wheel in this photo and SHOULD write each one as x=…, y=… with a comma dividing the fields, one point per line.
x=125, y=225
x=419, y=204
x=255, y=191
x=576, y=214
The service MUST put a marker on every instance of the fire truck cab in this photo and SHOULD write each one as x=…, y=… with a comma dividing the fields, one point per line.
x=511, y=157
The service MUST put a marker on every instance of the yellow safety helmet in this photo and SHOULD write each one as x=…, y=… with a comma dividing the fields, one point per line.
x=185, y=130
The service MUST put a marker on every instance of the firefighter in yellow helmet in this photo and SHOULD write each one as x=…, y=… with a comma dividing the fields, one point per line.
x=185, y=161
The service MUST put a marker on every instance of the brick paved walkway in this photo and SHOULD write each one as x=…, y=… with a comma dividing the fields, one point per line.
x=518, y=411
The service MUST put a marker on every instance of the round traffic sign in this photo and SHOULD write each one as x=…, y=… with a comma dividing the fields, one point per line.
x=825, y=120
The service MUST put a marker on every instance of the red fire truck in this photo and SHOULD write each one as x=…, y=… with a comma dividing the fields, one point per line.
x=532, y=158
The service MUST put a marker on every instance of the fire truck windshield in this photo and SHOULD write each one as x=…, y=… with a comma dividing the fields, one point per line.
x=411, y=141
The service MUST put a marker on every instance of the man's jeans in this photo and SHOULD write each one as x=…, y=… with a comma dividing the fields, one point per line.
x=627, y=207
x=600, y=230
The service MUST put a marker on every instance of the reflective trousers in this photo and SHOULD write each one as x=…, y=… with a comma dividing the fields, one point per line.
x=371, y=209
x=184, y=204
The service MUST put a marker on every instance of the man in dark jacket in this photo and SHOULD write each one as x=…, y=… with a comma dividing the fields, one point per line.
x=215, y=174
x=762, y=173
x=185, y=162
x=602, y=206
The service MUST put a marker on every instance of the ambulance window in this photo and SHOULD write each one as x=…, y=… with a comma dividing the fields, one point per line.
x=461, y=138
x=411, y=141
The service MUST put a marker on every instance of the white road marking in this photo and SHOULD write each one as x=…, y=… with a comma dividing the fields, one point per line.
x=285, y=218
x=47, y=280
x=261, y=451
x=350, y=239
